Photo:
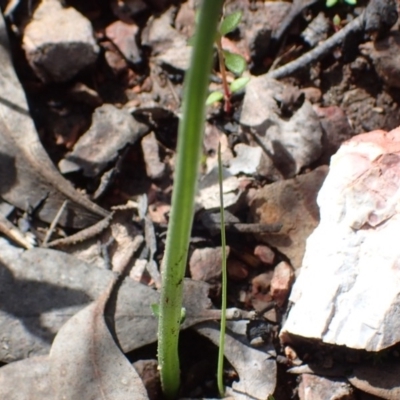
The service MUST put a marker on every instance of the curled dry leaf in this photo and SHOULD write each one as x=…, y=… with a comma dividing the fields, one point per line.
x=27, y=175
x=84, y=362
x=256, y=369
x=41, y=289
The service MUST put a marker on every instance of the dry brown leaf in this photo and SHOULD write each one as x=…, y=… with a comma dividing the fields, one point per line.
x=255, y=367
x=40, y=289
x=84, y=363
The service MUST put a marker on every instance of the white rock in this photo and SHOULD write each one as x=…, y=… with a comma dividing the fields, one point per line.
x=348, y=291
x=208, y=191
x=247, y=159
x=59, y=42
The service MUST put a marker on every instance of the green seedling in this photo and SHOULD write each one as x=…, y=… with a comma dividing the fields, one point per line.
x=336, y=22
x=155, y=308
x=331, y=3
x=228, y=60
x=220, y=367
x=190, y=137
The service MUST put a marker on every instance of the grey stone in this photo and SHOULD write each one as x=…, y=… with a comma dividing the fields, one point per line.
x=59, y=42
x=168, y=45
x=291, y=137
x=314, y=387
x=111, y=130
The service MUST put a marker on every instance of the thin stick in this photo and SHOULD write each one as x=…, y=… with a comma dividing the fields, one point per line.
x=220, y=369
x=12, y=232
x=82, y=235
x=325, y=47
x=54, y=223
x=227, y=92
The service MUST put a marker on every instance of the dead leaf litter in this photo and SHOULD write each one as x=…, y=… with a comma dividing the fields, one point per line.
x=90, y=100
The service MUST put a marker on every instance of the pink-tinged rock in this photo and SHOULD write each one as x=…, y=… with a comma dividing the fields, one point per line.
x=265, y=254
x=59, y=42
x=205, y=264
x=348, y=291
x=123, y=35
x=185, y=19
x=154, y=167
x=114, y=59
x=314, y=387
x=260, y=290
x=281, y=282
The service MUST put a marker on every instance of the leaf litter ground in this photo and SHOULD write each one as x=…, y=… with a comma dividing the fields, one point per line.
x=59, y=315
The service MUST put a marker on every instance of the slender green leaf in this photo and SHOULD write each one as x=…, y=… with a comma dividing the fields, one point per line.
x=351, y=2
x=336, y=20
x=213, y=97
x=190, y=137
x=220, y=368
x=239, y=84
x=230, y=23
x=330, y=3
x=235, y=62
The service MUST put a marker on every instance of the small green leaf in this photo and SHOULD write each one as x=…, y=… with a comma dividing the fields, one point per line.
x=155, y=308
x=235, y=62
x=336, y=20
x=351, y=2
x=330, y=3
x=239, y=83
x=230, y=23
x=183, y=315
x=213, y=97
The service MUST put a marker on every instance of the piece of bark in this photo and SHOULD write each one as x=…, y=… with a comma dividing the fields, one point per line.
x=292, y=203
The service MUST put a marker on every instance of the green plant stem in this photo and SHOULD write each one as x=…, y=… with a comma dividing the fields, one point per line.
x=221, y=62
x=220, y=369
x=189, y=146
